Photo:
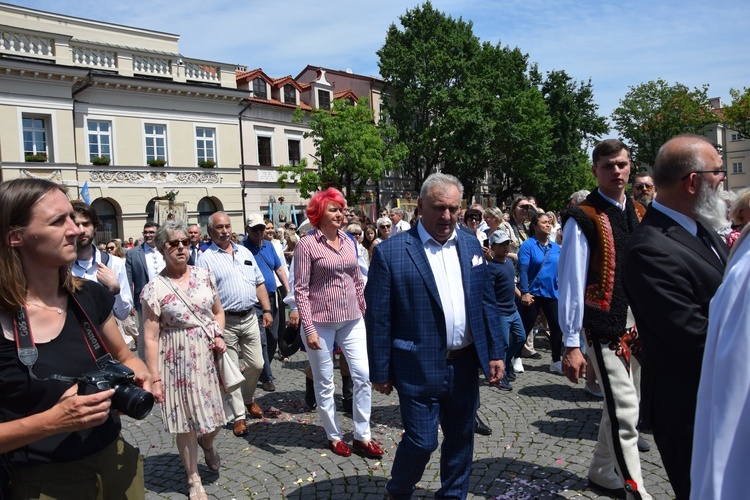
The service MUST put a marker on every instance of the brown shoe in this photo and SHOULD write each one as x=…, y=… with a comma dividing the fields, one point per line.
x=254, y=410
x=240, y=428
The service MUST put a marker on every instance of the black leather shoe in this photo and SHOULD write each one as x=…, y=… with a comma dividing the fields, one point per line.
x=643, y=445
x=310, y=394
x=481, y=428
x=601, y=490
x=536, y=355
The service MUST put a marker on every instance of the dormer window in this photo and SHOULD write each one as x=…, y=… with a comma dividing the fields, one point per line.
x=290, y=94
x=259, y=88
x=324, y=99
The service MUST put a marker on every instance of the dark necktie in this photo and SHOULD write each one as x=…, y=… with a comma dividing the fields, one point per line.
x=702, y=235
x=193, y=255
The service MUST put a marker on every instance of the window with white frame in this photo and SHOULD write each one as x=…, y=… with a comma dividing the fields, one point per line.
x=259, y=88
x=35, y=138
x=290, y=94
x=205, y=144
x=737, y=167
x=99, y=139
x=295, y=153
x=324, y=99
x=735, y=136
x=156, y=141
x=264, y=151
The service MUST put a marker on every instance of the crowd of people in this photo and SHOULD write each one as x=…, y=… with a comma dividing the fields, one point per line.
x=620, y=283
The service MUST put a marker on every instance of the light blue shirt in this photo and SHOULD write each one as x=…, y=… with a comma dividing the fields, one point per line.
x=235, y=280
x=446, y=268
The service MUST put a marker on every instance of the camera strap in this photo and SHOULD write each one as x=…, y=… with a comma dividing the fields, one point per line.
x=28, y=353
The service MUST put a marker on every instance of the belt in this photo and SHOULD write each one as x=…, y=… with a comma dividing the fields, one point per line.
x=240, y=313
x=458, y=352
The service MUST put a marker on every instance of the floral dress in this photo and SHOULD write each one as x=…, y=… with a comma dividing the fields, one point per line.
x=192, y=394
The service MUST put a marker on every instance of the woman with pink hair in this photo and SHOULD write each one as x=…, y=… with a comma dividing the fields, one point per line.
x=329, y=291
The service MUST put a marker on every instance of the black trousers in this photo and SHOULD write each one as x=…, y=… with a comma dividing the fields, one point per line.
x=549, y=307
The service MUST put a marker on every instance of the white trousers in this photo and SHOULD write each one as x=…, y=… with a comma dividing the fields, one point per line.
x=350, y=336
x=617, y=445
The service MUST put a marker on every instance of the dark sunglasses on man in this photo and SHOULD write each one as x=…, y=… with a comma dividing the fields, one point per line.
x=644, y=185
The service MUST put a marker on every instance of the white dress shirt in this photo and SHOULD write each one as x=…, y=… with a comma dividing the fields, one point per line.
x=446, y=268
x=87, y=269
x=154, y=261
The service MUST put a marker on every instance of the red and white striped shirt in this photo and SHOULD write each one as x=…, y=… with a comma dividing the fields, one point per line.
x=328, y=285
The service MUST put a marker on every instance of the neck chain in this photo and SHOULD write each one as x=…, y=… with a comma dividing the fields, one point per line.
x=58, y=310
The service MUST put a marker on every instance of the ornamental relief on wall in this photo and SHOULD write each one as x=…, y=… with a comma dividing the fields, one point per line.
x=124, y=177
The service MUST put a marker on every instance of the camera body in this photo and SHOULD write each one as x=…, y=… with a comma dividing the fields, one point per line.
x=128, y=397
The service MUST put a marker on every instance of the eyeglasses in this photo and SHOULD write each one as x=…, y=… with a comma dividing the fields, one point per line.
x=645, y=185
x=175, y=243
x=111, y=249
x=718, y=171
x=356, y=234
x=473, y=218
x=525, y=207
x=385, y=226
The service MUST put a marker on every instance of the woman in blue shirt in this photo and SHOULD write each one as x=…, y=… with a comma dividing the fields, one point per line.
x=537, y=266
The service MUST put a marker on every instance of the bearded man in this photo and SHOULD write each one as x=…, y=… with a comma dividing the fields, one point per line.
x=673, y=265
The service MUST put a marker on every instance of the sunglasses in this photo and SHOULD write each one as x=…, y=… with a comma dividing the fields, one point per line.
x=175, y=243
x=525, y=207
x=473, y=218
x=111, y=248
x=356, y=234
x=644, y=185
x=384, y=226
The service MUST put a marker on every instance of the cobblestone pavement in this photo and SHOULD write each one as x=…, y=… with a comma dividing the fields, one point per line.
x=544, y=433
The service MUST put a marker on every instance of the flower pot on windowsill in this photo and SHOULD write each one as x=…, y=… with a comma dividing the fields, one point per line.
x=38, y=157
x=207, y=164
x=156, y=163
x=100, y=160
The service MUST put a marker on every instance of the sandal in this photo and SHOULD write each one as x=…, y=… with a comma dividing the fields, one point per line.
x=197, y=492
x=213, y=460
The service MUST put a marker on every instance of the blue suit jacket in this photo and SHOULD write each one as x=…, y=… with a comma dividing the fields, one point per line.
x=406, y=337
x=137, y=271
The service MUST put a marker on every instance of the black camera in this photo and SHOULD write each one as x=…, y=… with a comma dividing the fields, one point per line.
x=128, y=397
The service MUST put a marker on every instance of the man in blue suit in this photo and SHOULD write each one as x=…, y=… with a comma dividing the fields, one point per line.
x=432, y=321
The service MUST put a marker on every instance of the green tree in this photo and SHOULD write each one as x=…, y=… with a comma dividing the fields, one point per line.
x=736, y=116
x=351, y=151
x=576, y=125
x=427, y=66
x=652, y=113
x=504, y=128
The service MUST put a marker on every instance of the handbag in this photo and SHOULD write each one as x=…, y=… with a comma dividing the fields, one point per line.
x=230, y=376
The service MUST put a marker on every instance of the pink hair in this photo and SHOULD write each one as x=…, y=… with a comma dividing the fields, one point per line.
x=319, y=203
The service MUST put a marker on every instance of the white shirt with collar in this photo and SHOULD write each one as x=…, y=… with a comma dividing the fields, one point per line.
x=402, y=226
x=87, y=269
x=446, y=268
x=572, y=272
x=154, y=261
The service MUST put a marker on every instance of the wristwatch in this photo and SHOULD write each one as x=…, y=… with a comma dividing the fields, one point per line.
x=267, y=311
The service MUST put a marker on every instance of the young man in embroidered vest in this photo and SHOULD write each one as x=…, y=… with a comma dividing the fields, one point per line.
x=593, y=306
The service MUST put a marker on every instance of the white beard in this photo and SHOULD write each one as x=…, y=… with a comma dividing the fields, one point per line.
x=711, y=209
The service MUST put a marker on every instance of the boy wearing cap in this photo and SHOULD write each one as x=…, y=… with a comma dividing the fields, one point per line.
x=502, y=274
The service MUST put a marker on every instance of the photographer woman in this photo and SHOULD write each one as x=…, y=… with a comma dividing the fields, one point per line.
x=59, y=444
x=183, y=327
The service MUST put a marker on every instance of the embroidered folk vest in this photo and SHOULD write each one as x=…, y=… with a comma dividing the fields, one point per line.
x=606, y=229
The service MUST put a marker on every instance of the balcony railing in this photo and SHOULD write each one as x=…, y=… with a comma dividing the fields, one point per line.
x=151, y=65
x=25, y=44
x=94, y=57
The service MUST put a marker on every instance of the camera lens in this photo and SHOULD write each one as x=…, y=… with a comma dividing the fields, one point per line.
x=133, y=401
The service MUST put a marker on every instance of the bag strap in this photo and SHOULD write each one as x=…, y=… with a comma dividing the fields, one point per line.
x=181, y=295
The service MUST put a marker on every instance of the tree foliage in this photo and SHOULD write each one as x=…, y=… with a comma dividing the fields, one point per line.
x=480, y=112
x=736, y=116
x=351, y=151
x=426, y=67
x=652, y=113
x=576, y=125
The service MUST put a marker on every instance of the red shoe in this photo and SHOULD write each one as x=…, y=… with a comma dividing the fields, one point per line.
x=340, y=448
x=368, y=449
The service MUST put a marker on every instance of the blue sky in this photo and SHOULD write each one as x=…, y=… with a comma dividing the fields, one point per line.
x=615, y=44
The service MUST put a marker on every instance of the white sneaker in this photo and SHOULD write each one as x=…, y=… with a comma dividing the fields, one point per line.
x=517, y=365
x=556, y=367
